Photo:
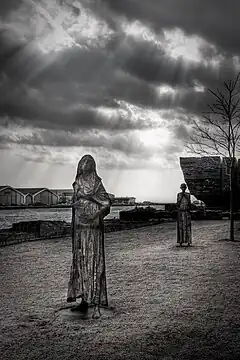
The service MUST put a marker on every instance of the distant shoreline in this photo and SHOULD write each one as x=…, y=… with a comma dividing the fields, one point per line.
x=22, y=207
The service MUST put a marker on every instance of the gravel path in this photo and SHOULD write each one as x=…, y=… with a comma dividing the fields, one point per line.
x=169, y=302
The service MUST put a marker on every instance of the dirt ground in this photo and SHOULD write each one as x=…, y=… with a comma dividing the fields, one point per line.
x=168, y=302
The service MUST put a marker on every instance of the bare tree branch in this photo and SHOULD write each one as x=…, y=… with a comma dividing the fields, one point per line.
x=217, y=133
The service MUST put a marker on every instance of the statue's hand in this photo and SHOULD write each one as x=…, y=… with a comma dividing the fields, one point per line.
x=90, y=219
x=75, y=204
x=93, y=219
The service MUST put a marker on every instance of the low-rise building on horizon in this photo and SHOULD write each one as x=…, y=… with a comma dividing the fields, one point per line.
x=123, y=200
x=64, y=195
x=112, y=196
x=39, y=196
x=10, y=195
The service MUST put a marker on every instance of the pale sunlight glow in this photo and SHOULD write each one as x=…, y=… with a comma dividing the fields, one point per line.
x=138, y=30
x=236, y=61
x=55, y=27
x=154, y=138
x=165, y=89
x=140, y=113
x=180, y=45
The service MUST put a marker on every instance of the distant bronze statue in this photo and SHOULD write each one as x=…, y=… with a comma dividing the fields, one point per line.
x=91, y=204
x=184, y=230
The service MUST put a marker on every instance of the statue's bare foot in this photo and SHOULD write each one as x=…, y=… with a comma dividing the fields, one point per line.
x=82, y=307
x=96, y=312
x=71, y=299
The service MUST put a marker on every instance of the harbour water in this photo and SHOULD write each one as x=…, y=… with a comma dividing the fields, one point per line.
x=8, y=217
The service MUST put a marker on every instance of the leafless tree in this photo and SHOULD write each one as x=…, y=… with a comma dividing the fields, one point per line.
x=218, y=133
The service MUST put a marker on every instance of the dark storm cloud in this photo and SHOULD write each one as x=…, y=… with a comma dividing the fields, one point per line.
x=97, y=76
x=89, y=77
x=150, y=63
x=29, y=112
x=9, y=47
x=109, y=160
x=59, y=101
x=20, y=58
x=43, y=154
x=147, y=61
x=217, y=21
x=180, y=132
x=123, y=143
x=7, y=6
x=65, y=90
x=189, y=101
x=66, y=93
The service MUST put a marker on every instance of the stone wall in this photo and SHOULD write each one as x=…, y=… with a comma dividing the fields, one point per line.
x=34, y=230
x=40, y=230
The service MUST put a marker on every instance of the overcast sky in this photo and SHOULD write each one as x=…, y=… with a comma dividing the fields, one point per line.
x=118, y=79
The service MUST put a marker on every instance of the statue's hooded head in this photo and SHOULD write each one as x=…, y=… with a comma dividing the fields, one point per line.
x=183, y=187
x=86, y=166
x=87, y=180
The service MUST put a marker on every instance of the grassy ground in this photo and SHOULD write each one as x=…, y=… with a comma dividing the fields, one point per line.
x=169, y=302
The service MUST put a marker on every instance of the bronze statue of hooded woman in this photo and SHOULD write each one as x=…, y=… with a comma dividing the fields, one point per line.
x=91, y=204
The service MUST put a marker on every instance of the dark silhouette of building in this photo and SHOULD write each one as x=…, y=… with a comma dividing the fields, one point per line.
x=208, y=179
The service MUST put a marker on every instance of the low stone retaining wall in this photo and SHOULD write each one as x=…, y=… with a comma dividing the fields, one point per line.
x=40, y=230
x=33, y=230
x=117, y=225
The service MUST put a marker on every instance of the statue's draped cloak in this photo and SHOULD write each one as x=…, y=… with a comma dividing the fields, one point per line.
x=88, y=273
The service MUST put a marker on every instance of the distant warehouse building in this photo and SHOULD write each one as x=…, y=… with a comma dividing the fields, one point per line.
x=111, y=196
x=64, y=195
x=38, y=196
x=45, y=196
x=10, y=196
x=125, y=200
x=29, y=194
